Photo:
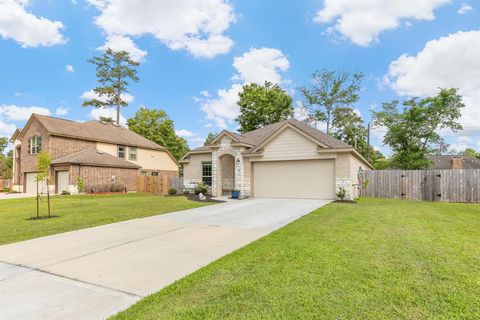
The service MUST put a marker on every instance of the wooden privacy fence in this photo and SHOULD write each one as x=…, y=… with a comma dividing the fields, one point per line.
x=156, y=184
x=5, y=184
x=177, y=183
x=453, y=185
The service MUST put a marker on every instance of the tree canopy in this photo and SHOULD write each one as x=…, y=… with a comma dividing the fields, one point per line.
x=114, y=70
x=413, y=132
x=211, y=136
x=6, y=161
x=261, y=105
x=155, y=125
x=330, y=90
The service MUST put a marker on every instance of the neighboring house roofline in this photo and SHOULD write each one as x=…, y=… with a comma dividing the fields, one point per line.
x=38, y=117
x=95, y=157
x=15, y=135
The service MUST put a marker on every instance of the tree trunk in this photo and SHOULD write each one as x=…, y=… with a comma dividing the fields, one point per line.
x=38, y=212
x=48, y=200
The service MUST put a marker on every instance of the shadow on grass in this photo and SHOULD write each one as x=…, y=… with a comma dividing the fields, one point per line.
x=43, y=217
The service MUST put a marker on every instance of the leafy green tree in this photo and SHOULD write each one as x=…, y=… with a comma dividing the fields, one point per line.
x=3, y=144
x=155, y=125
x=44, y=160
x=413, y=132
x=211, y=136
x=471, y=152
x=263, y=105
x=330, y=90
x=6, y=162
x=114, y=70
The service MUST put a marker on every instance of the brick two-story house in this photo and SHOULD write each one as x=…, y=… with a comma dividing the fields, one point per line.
x=101, y=153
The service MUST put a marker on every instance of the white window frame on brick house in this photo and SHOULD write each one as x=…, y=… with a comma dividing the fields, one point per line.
x=132, y=153
x=121, y=151
x=35, y=145
x=155, y=173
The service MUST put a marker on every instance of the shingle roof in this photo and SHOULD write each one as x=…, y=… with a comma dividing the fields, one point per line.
x=94, y=157
x=445, y=162
x=258, y=136
x=96, y=131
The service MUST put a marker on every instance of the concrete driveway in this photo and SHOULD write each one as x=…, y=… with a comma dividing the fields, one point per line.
x=96, y=272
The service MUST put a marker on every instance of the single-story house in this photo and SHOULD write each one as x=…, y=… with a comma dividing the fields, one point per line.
x=101, y=153
x=288, y=159
x=442, y=162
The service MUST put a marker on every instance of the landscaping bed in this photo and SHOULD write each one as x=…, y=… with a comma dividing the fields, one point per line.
x=196, y=197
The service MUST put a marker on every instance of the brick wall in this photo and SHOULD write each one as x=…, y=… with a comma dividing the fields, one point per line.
x=29, y=161
x=102, y=176
x=61, y=146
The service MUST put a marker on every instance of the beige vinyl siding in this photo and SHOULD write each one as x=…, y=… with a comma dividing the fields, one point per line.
x=290, y=145
x=147, y=159
x=193, y=169
x=306, y=179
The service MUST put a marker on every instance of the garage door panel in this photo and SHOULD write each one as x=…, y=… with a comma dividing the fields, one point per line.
x=309, y=179
x=31, y=184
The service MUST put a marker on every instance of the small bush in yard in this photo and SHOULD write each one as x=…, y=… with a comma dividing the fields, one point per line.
x=172, y=191
x=117, y=188
x=65, y=193
x=80, y=184
x=201, y=188
x=341, y=194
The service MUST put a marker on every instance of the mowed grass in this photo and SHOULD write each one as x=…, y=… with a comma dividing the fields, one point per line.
x=77, y=212
x=378, y=259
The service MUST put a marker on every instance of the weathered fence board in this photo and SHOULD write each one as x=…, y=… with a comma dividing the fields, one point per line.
x=176, y=183
x=454, y=185
x=156, y=184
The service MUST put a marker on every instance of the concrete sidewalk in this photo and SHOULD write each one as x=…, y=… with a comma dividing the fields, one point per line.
x=96, y=272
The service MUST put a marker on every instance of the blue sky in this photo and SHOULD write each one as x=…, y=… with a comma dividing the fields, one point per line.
x=196, y=54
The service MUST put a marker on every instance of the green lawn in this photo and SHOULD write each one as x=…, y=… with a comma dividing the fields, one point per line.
x=378, y=259
x=77, y=212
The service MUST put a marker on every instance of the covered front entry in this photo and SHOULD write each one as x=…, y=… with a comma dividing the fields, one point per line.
x=226, y=174
x=303, y=179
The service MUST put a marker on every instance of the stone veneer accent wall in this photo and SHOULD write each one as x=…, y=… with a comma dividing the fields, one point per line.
x=239, y=170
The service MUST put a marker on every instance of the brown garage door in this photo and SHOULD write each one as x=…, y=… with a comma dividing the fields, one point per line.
x=307, y=179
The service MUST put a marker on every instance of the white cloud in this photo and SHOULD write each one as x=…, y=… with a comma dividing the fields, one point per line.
x=16, y=113
x=69, y=68
x=450, y=61
x=185, y=133
x=464, y=9
x=127, y=97
x=461, y=143
x=257, y=66
x=197, y=26
x=96, y=113
x=61, y=111
x=6, y=130
x=362, y=21
x=121, y=43
x=27, y=29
